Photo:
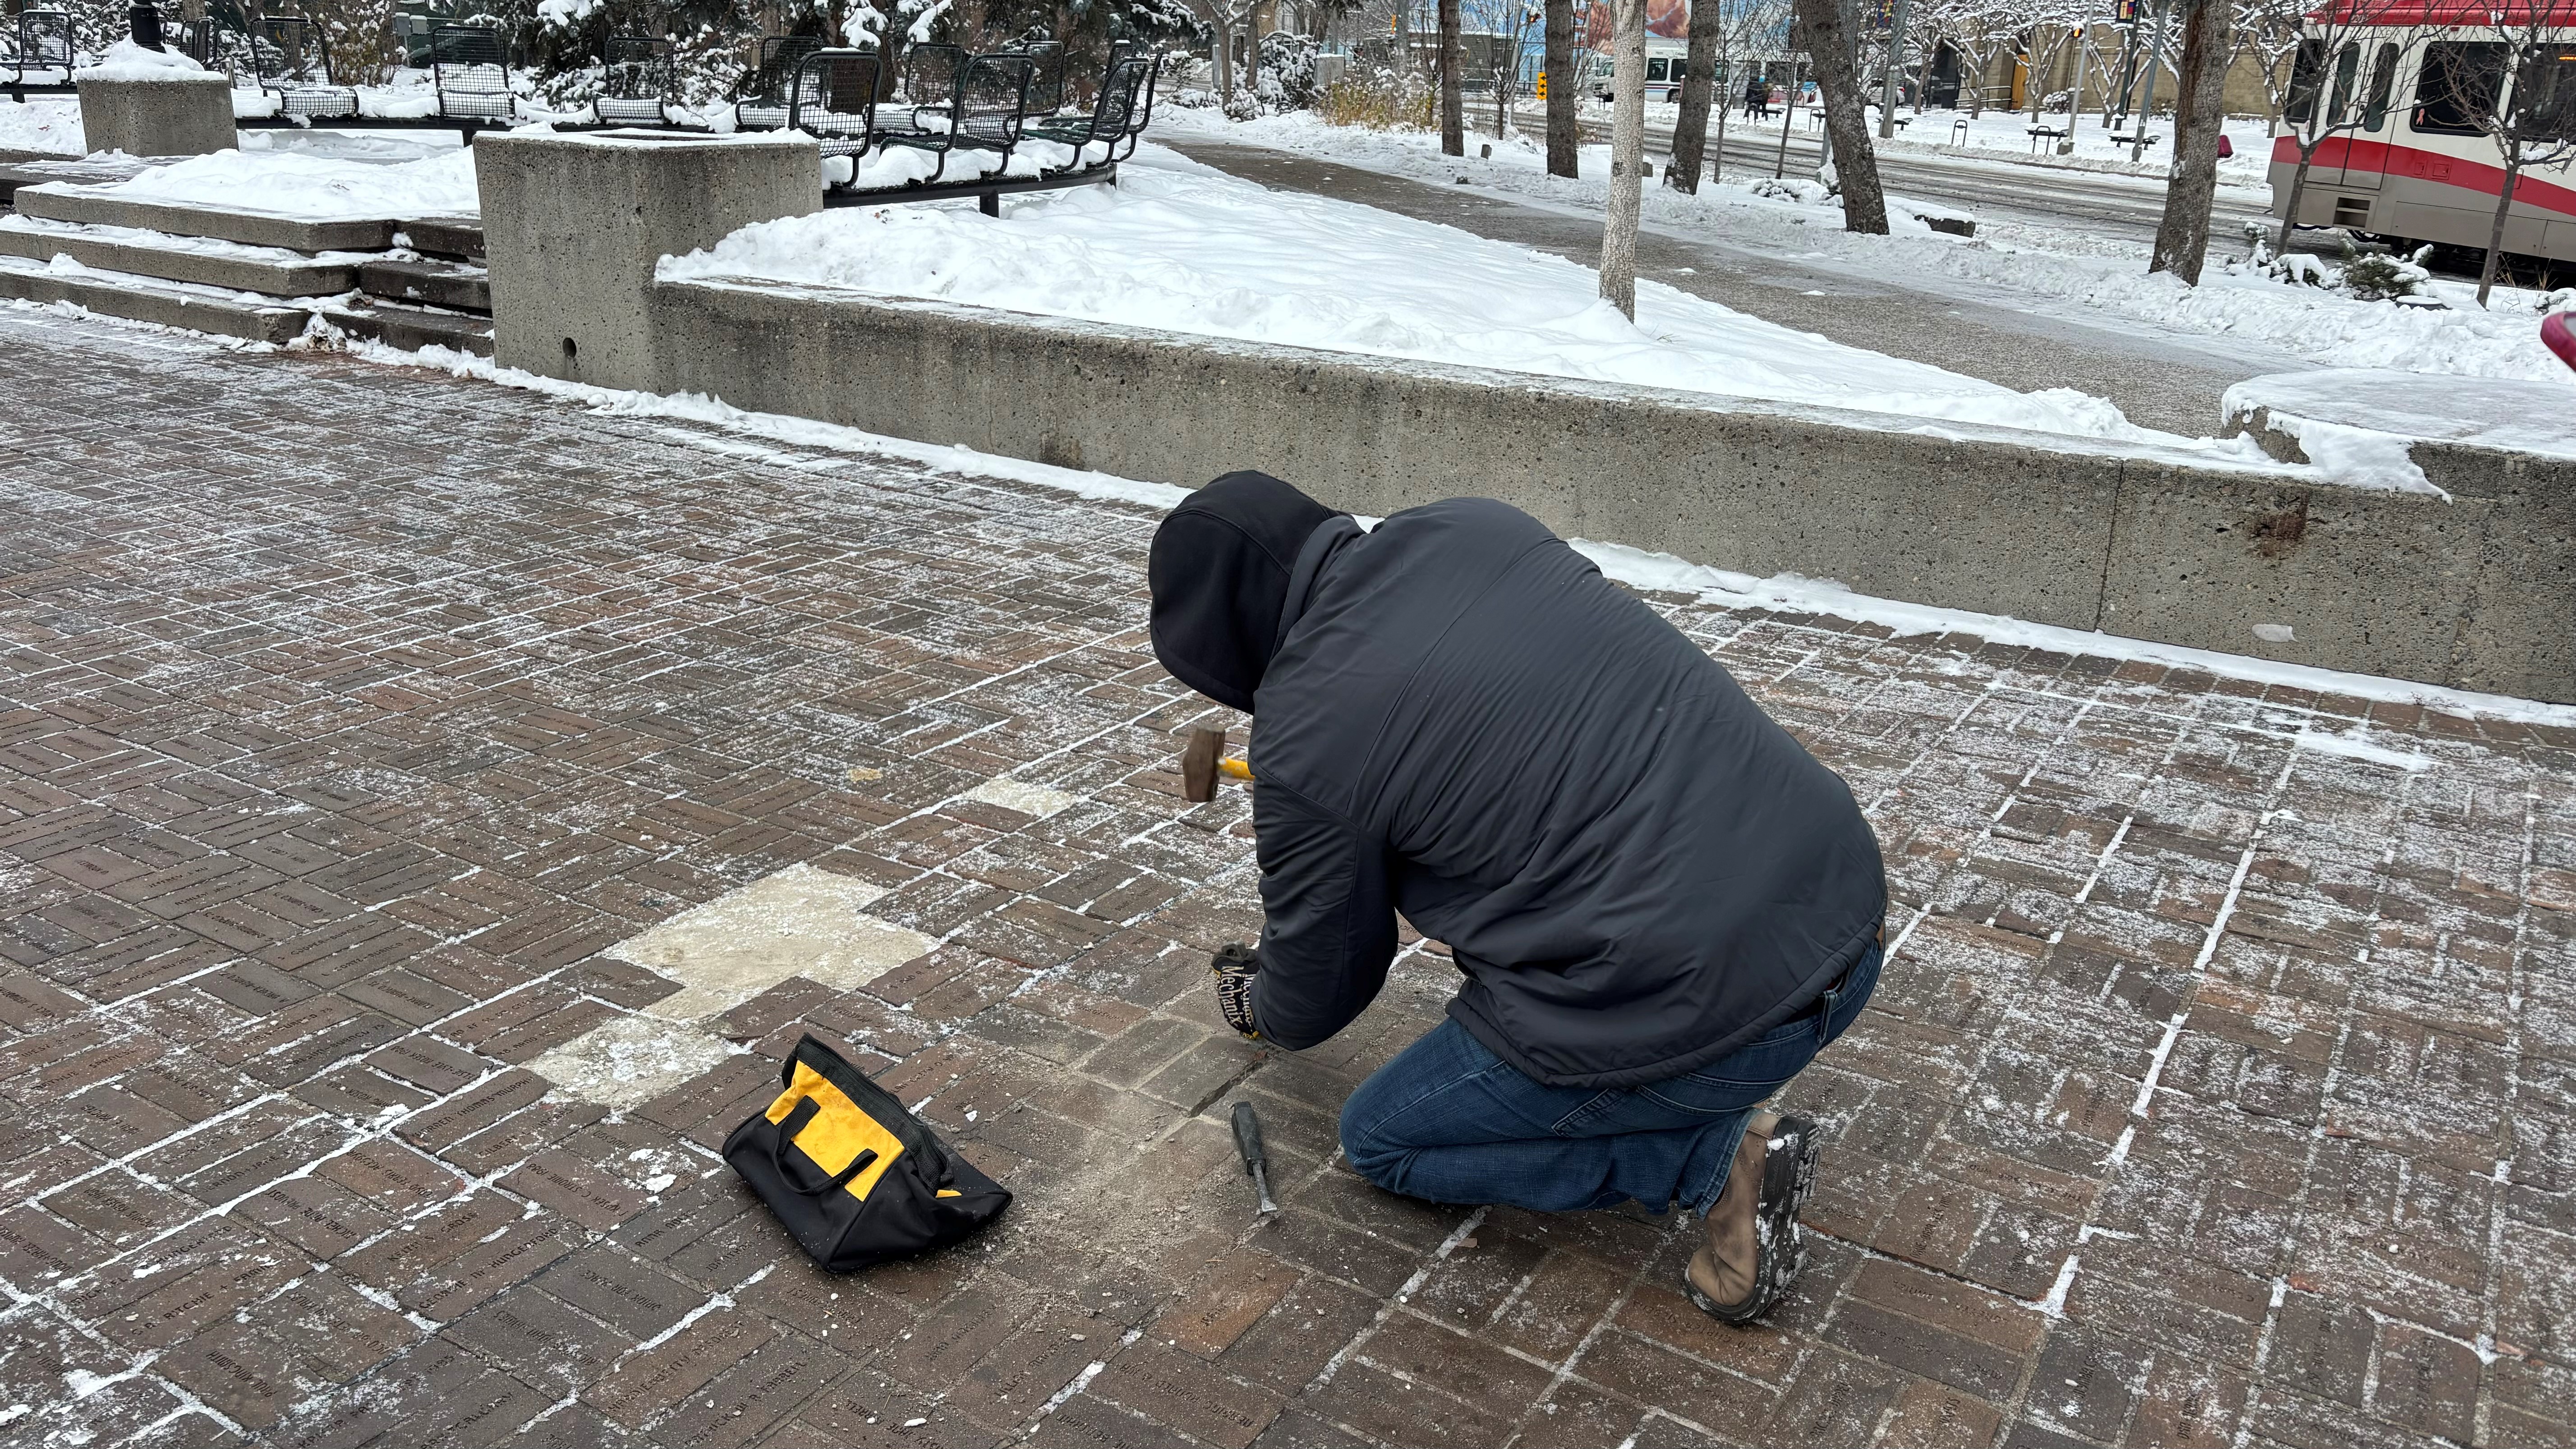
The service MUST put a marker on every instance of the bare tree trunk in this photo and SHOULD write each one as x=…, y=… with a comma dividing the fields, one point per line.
x=1453, y=117
x=1690, y=129
x=1627, y=153
x=1562, y=137
x=2495, y=232
x=1252, y=48
x=2298, y=188
x=2182, y=238
x=1220, y=46
x=1846, y=124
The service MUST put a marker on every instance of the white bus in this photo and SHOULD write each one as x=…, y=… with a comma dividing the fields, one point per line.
x=1663, y=70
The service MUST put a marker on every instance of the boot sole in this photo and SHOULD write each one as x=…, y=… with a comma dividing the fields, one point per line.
x=1788, y=1177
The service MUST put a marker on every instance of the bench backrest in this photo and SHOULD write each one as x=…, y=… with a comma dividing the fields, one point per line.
x=291, y=51
x=993, y=99
x=930, y=74
x=780, y=55
x=834, y=94
x=635, y=68
x=1121, y=96
x=1143, y=110
x=1046, y=76
x=472, y=71
x=44, y=40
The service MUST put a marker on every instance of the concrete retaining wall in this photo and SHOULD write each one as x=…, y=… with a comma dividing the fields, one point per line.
x=2161, y=547
x=2256, y=558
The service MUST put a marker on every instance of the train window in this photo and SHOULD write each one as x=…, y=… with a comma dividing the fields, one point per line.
x=2347, y=65
x=2305, y=73
x=2546, y=97
x=2459, y=87
x=2383, y=79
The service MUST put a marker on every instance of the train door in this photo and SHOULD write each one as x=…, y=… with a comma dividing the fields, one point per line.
x=2306, y=111
x=2365, y=152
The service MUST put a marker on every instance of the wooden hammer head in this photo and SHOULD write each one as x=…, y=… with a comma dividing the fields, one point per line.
x=1198, y=764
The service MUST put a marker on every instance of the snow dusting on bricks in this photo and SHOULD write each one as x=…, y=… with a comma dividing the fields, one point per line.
x=429, y=812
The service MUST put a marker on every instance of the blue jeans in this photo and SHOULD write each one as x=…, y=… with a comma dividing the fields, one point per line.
x=1449, y=1121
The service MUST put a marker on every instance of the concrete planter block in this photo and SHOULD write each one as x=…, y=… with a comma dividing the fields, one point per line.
x=573, y=224
x=2472, y=590
x=176, y=113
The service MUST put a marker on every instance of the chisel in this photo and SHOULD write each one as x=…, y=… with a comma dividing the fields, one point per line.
x=1247, y=1137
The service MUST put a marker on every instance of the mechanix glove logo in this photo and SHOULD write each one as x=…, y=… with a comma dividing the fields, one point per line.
x=1234, y=966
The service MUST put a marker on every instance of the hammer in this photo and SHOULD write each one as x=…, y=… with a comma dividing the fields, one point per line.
x=1202, y=760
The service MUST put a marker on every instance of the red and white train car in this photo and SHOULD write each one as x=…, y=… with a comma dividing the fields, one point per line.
x=2406, y=77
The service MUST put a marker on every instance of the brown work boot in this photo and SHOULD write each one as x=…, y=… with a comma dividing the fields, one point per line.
x=1754, y=1250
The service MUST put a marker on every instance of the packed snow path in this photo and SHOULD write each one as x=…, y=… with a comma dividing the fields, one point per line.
x=349, y=715
x=2157, y=380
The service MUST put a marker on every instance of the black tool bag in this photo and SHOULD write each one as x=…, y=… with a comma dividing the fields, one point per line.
x=853, y=1175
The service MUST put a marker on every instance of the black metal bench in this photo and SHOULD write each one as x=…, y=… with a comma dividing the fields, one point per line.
x=952, y=102
x=760, y=96
x=292, y=61
x=471, y=69
x=1118, y=113
x=833, y=98
x=635, y=79
x=41, y=42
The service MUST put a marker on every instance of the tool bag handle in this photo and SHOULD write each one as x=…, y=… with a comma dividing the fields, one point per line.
x=802, y=1113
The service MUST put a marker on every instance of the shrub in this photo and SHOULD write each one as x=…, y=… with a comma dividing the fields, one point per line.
x=1380, y=98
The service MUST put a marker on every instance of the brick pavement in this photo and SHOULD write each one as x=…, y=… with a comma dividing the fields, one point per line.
x=2222, y=1089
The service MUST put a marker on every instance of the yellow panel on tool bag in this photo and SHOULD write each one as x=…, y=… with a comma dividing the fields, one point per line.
x=839, y=1131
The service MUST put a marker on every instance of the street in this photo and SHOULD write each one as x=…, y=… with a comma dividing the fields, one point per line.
x=2101, y=203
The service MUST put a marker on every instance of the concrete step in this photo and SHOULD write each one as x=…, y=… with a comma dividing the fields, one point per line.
x=55, y=201
x=19, y=168
x=411, y=328
x=150, y=299
x=451, y=285
x=230, y=265
x=458, y=238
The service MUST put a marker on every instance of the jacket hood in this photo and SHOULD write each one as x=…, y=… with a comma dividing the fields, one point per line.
x=1218, y=573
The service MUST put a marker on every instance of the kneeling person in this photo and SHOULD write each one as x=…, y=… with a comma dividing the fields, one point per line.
x=1662, y=905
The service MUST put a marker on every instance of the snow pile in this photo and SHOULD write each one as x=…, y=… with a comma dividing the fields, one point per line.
x=2525, y=417
x=48, y=125
x=1184, y=248
x=2039, y=269
x=127, y=61
x=314, y=188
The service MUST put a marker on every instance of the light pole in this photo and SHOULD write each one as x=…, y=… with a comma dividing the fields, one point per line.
x=2147, y=104
x=1895, y=70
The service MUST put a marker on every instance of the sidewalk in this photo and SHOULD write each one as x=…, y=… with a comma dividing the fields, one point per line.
x=352, y=717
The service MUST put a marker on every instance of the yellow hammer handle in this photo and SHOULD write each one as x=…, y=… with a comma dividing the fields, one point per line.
x=1236, y=768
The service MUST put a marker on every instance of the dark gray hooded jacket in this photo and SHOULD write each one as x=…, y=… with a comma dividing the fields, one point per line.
x=1457, y=717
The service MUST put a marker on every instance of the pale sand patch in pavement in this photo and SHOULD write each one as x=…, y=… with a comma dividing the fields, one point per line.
x=1019, y=795
x=801, y=921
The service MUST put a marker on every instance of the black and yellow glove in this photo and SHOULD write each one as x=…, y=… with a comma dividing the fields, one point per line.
x=1234, y=967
